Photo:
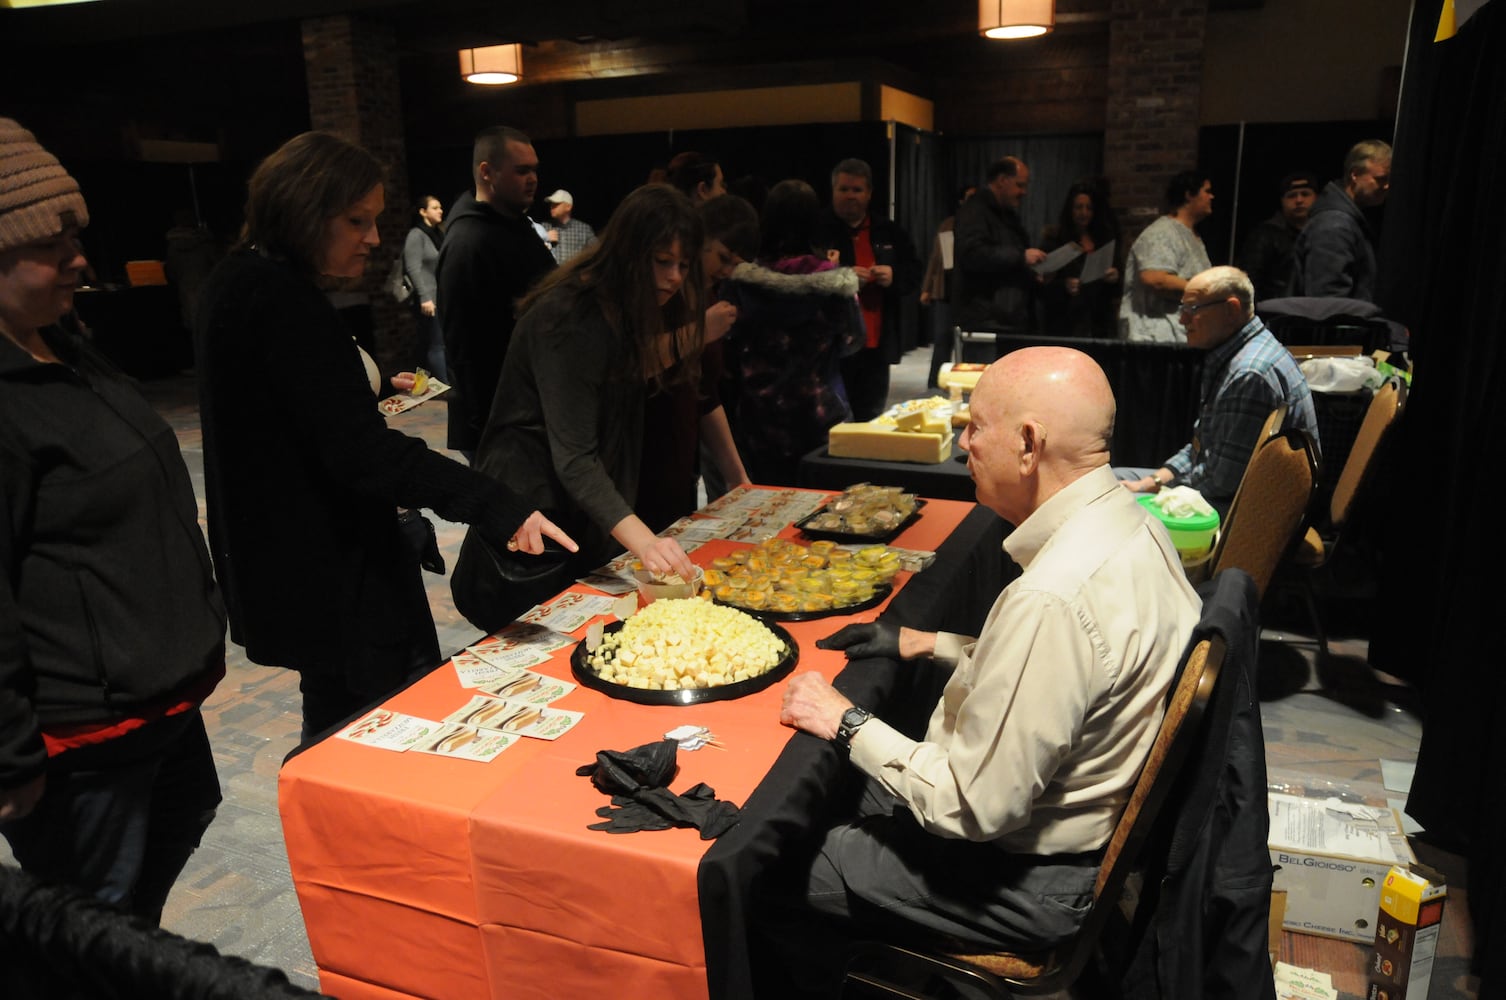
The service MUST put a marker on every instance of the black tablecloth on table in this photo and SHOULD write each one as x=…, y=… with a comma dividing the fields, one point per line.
x=947, y=480
x=781, y=815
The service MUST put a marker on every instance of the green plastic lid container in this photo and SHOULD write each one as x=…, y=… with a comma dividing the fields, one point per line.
x=1192, y=535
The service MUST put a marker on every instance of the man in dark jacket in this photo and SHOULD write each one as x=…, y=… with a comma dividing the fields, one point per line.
x=889, y=269
x=1335, y=255
x=491, y=257
x=995, y=283
x=1266, y=254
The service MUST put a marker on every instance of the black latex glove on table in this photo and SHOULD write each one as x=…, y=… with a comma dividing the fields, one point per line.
x=637, y=780
x=865, y=640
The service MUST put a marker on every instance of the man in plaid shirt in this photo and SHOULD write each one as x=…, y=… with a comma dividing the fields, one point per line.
x=1247, y=375
x=569, y=235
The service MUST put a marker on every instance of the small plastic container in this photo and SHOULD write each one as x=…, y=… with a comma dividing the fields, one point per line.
x=1193, y=535
x=649, y=591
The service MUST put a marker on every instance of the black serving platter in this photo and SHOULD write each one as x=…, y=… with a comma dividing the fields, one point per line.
x=765, y=615
x=850, y=537
x=683, y=696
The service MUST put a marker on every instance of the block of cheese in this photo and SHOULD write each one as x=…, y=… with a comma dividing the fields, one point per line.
x=887, y=442
x=965, y=375
x=917, y=421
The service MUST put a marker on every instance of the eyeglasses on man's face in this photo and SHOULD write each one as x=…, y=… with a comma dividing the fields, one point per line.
x=1193, y=308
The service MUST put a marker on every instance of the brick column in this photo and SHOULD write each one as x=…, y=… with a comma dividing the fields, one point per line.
x=353, y=91
x=1154, y=94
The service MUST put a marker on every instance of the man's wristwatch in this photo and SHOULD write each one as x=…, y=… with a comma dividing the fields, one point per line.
x=852, y=719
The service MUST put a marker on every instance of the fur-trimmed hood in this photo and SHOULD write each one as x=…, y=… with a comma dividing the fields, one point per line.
x=836, y=281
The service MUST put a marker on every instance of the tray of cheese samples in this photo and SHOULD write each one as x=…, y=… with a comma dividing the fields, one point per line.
x=685, y=652
x=781, y=580
x=863, y=513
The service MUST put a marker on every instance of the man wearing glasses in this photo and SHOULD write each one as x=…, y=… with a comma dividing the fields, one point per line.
x=1247, y=375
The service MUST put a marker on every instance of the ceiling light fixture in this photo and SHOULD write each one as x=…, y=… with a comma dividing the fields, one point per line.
x=492, y=65
x=1015, y=18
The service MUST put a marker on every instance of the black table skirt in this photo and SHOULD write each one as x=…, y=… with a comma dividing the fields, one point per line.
x=947, y=480
x=1155, y=385
x=785, y=811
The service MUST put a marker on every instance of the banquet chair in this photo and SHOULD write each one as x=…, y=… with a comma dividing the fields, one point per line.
x=1268, y=508
x=1004, y=974
x=1271, y=427
x=1316, y=547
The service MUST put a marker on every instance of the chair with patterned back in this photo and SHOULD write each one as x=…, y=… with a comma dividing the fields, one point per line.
x=1269, y=506
x=1272, y=425
x=1003, y=974
x=1316, y=547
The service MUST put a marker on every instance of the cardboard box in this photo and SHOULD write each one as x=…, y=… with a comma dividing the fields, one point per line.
x=1331, y=859
x=1274, y=919
x=1406, y=933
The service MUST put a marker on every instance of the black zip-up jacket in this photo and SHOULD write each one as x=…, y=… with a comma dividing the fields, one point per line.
x=107, y=601
x=487, y=263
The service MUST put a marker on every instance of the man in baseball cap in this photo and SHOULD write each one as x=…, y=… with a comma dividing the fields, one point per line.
x=1266, y=254
x=571, y=235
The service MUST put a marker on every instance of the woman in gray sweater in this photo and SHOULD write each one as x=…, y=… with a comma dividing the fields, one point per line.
x=421, y=265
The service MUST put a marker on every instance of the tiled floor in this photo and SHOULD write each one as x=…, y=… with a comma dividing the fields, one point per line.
x=236, y=892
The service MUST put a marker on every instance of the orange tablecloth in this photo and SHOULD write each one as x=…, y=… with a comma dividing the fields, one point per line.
x=425, y=876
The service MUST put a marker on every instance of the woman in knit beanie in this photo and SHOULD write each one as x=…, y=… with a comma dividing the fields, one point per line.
x=111, y=628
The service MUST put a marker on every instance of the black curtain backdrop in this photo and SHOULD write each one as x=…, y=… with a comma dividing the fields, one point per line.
x=1441, y=270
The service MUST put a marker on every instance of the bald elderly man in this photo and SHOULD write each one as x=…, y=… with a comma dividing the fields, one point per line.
x=989, y=830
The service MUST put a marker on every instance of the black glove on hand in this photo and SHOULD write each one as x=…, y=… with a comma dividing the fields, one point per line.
x=871, y=639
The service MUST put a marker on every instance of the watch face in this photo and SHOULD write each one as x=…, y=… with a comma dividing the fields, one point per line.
x=854, y=717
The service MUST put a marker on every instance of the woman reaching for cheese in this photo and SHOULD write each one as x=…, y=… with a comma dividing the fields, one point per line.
x=566, y=426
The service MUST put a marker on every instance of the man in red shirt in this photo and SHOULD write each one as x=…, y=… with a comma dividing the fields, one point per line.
x=889, y=269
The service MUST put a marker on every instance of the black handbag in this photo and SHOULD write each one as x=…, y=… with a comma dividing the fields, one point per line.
x=492, y=586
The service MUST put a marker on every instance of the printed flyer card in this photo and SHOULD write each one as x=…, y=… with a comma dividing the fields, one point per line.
x=389, y=730
x=569, y=611
x=527, y=686
x=466, y=743
x=516, y=717
x=521, y=644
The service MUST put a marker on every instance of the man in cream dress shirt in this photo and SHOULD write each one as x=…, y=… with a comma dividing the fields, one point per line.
x=989, y=830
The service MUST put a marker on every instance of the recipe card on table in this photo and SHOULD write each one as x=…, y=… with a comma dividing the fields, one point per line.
x=466, y=742
x=521, y=644
x=389, y=730
x=569, y=611
x=517, y=717
x=526, y=686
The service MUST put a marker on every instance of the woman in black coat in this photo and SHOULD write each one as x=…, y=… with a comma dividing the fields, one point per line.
x=303, y=475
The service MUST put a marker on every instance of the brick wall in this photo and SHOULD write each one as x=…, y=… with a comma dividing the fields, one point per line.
x=352, y=68
x=1154, y=90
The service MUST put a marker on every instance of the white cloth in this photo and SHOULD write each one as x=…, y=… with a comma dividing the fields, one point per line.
x=1166, y=245
x=1040, y=733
